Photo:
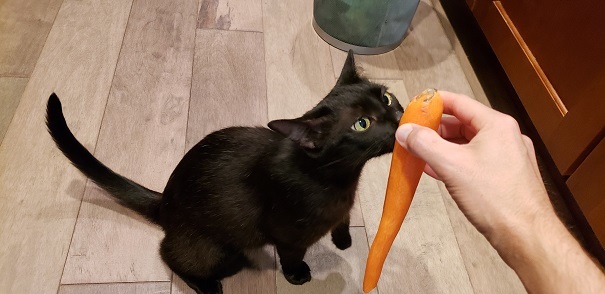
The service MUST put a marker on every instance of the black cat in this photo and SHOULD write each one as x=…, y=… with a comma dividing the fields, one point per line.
x=242, y=187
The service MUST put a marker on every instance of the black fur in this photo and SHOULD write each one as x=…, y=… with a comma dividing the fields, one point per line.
x=241, y=188
x=130, y=194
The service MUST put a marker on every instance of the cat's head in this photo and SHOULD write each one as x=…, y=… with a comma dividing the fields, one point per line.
x=357, y=120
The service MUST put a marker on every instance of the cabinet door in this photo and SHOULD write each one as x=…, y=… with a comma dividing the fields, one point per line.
x=553, y=51
x=587, y=186
x=470, y=3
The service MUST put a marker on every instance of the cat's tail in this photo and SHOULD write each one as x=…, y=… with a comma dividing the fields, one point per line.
x=129, y=193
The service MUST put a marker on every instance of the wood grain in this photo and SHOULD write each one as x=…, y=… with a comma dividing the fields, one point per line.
x=228, y=87
x=487, y=271
x=426, y=56
x=117, y=288
x=333, y=270
x=241, y=15
x=299, y=69
x=577, y=73
x=465, y=65
x=556, y=80
x=145, y=120
x=24, y=27
x=586, y=184
x=41, y=191
x=529, y=80
x=382, y=66
x=11, y=90
x=259, y=280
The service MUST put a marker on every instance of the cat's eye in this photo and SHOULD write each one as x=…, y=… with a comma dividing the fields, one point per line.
x=387, y=98
x=362, y=124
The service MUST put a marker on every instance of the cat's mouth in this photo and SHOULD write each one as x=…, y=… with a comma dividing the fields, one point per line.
x=388, y=145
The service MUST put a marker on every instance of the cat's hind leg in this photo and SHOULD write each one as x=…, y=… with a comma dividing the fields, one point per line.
x=199, y=262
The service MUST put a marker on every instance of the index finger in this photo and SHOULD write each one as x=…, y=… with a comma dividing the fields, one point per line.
x=470, y=112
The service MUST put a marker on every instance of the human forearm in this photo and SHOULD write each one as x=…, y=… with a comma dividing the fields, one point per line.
x=549, y=260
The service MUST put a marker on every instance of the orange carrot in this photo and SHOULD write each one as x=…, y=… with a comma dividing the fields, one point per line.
x=426, y=110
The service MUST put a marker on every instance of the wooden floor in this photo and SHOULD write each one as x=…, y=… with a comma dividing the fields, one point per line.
x=142, y=81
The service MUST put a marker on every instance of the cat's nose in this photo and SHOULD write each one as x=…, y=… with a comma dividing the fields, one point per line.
x=398, y=114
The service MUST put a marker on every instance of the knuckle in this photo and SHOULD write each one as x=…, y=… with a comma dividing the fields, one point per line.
x=528, y=141
x=509, y=121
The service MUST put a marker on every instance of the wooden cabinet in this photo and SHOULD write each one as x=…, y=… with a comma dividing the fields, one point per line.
x=553, y=52
x=587, y=187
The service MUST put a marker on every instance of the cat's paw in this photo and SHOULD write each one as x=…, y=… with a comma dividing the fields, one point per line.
x=342, y=239
x=298, y=276
x=206, y=286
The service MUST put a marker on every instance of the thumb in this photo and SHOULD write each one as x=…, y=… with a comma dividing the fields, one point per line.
x=427, y=145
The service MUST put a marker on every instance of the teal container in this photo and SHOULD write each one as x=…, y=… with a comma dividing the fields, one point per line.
x=366, y=26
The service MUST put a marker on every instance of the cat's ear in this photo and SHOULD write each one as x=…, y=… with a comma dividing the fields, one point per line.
x=299, y=131
x=349, y=74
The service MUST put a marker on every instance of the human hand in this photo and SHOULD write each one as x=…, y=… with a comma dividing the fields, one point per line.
x=487, y=165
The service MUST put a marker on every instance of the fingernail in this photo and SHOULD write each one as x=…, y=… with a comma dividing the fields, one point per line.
x=402, y=132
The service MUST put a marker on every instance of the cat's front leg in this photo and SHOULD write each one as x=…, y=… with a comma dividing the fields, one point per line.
x=341, y=236
x=296, y=271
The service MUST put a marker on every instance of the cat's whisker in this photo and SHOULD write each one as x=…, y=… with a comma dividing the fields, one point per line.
x=333, y=162
x=358, y=159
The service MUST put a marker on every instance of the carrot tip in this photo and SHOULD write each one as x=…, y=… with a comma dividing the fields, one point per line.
x=426, y=95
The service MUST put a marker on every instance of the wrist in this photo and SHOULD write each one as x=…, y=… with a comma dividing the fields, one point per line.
x=528, y=250
x=548, y=259
x=515, y=231
x=520, y=242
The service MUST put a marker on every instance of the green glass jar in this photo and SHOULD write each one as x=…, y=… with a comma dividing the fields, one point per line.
x=366, y=26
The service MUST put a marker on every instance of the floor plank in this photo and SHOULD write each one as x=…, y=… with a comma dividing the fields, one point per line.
x=228, y=87
x=117, y=288
x=471, y=77
x=41, y=192
x=426, y=56
x=382, y=66
x=333, y=270
x=239, y=15
x=447, y=75
x=299, y=65
x=11, y=90
x=24, y=26
x=260, y=280
x=145, y=120
x=487, y=271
